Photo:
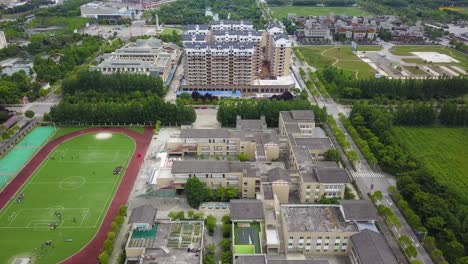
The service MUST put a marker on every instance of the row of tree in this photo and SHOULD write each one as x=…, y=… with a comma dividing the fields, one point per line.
x=345, y=86
x=197, y=193
x=442, y=211
x=115, y=85
x=142, y=111
x=254, y=109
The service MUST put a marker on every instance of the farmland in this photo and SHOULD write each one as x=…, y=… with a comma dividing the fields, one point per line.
x=280, y=12
x=443, y=151
x=339, y=56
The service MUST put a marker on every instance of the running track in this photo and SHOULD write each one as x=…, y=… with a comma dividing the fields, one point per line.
x=89, y=253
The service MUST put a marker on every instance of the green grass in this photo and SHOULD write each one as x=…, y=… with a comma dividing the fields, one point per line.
x=170, y=31
x=244, y=249
x=62, y=131
x=140, y=130
x=280, y=12
x=441, y=150
x=414, y=60
x=77, y=180
x=339, y=56
x=407, y=49
x=415, y=70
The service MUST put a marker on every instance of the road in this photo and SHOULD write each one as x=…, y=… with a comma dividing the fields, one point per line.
x=171, y=92
x=367, y=178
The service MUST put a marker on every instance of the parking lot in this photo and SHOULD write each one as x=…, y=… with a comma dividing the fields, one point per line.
x=217, y=209
x=138, y=28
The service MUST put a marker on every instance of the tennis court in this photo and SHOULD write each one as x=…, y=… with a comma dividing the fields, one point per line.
x=16, y=158
x=247, y=238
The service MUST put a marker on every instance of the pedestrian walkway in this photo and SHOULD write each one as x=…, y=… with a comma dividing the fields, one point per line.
x=367, y=174
x=15, y=159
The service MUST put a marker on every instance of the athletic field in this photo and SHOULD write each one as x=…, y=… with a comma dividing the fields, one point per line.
x=71, y=191
x=341, y=57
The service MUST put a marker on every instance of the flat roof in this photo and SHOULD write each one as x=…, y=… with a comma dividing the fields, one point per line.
x=315, y=218
x=371, y=248
x=246, y=210
x=204, y=133
x=359, y=210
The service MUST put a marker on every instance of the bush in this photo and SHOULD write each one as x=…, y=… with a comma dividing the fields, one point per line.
x=103, y=258
x=225, y=244
x=29, y=114
x=108, y=246
x=115, y=227
x=123, y=210
x=111, y=236
x=210, y=223
x=119, y=220
x=226, y=230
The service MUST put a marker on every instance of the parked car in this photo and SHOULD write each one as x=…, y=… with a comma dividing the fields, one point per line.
x=217, y=206
x=203, y=206
x=210, y=206
x=224, y=206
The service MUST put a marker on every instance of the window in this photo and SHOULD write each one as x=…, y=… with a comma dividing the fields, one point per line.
x=343, y=250
x=301, y=237
x=319, y=237
x=327, y=237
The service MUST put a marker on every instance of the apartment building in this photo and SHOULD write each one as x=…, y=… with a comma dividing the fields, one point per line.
x=315, y=32
x=240, y=175
x=145, y=56
x=230, y=58
x=316, y=230
x=317, y=182
x=369, y=247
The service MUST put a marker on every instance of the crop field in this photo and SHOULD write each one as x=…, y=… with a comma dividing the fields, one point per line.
x=405, y=50
x=340, y=56
x=280, y=12
x=65, y=200
x=444, y=151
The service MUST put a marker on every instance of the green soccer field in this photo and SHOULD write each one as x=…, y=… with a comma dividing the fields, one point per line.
x=77, y=181
x=340, y=56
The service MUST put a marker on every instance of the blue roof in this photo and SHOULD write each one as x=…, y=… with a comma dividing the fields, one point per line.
x=236, y=94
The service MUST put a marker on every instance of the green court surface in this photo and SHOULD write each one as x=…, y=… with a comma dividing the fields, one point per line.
x=15, y=159
x=247, y=238
x=244, y=249
x=77, y=181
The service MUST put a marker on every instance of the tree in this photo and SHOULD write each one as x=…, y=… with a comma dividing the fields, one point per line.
x=111, y=236
x=123, y=210
x=103, y=258
x=226, y=219
x=332, y=155
x=226, y=257
x=437, y=255
x=119, y=220
x=416, y=262
x=231, y=193
x=221, y=193
x=210, y=223
x=225, y=244
x=411, y=251
x=453, y=250
x=243, y=156
x=226, y=230
x=172, y=215
x=29, y=114
x=377, y=196
x=404, y=241
x=195, y=192
x=463, y=260
x=115, y=227
x=348, y=195
x=108, y=246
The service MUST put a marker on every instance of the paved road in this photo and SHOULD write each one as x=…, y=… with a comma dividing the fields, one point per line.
x=367, y=177
x=171, y=92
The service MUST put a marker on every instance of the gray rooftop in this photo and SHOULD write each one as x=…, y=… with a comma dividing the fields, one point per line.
x=250, y=259
x=297, y=261
x=315, y=218
x=331, y=175
x=213, y=166
x=359, y=210
x=267, y=192
x=143, y=214
x=371, y=248
x=246, y=210
x=204, y=133
x=313, y=143
x=298, y=115
x=277, y=174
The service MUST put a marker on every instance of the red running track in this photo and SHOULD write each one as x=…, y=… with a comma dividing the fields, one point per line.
x=90, y=252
